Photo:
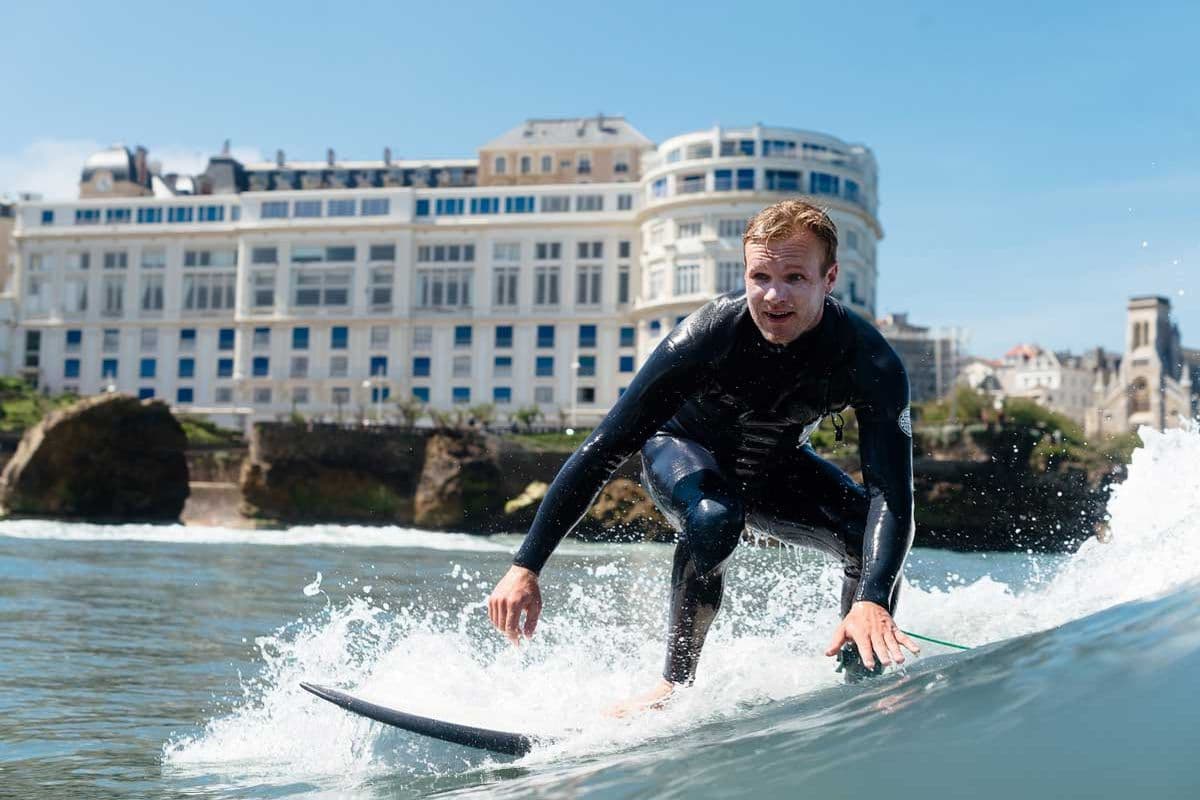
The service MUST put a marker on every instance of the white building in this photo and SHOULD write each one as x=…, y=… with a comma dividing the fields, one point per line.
x=1059, y=381
x=542, y=272
x=931, y=357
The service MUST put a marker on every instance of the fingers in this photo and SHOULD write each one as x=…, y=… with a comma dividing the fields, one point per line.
x=531, y=617
x=879, y=644
x=893, y=647
x=866, y=651
x=512, y=622
x=904, y=639
x=839, y=638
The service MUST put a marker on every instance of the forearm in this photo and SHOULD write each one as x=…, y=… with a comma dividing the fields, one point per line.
x=886, y=542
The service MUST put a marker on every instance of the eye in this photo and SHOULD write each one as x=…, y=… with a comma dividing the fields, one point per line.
x=796, y=277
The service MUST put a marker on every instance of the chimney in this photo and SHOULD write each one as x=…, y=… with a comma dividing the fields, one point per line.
x=329, y=156
x=279, y=159
x=225, y=148
x=141, y=172
x=387, y=156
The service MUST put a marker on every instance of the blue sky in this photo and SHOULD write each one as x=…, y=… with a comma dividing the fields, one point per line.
x=1037, y=166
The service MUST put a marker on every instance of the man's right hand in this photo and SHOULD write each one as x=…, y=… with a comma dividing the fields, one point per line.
x=516, y=592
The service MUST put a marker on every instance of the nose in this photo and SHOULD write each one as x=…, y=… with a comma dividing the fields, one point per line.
x=774, y=294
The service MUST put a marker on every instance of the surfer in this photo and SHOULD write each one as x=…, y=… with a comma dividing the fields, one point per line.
x=722, y=412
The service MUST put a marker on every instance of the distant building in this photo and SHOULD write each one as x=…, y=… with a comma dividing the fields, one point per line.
x=932, y=358
x=1060, y=381
x=541, y=272
x=1156, y=381
x=981, y=374
x=7, y=218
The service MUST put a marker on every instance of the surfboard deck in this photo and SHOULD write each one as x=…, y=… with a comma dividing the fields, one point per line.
x=505, y=742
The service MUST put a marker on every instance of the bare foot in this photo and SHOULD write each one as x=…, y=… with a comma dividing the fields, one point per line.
x=654, y=699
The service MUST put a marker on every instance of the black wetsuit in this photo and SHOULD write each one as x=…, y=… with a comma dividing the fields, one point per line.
x=723, y=419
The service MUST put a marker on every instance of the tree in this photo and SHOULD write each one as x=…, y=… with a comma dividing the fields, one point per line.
x=484, y=413
x=527, y=415
x=410, y=410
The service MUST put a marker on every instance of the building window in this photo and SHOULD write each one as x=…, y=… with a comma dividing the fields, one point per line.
x=556, y=203
x=187, y=340
x=690, y=184
x=729, y=276
x=87, y=216
x=341, y=208
x=623, y=284
x=485, y=205
x=299, y=367
x=321, y=288
x=263, y=289
x=114, y=296
x=504, y=336
x=184, y=394
x=547, y=251
x=822, y=183
x=544, y=367
x=108, y=368
x=211, y=214
x=852, y=192
x=47, y=217
x=154, y=259
x=444, y=287
x=275, y=209
x=380, y=207
x=448, y=206
x=628, y=336
x=547, y=164
x=152, y=292
x=521, y=204
x=261, y=367
x=421, y=366
x=381, y=336
x=586, y=395
x=587, y=366
x=382, y=252
x=501, y=395
x=74, y=341
x=147, y=368
x=731, y=228
x=462, y=335
x=339, y=366
x=306, y=208
x=583, y=163
x=589, y=202
x=223, y=395
x=262, y=338
x=179, y=214
x=460, y=395
x=379, y=365
x=225, y=339
x=209, y=291
x=587, y=335
x=445, y=252
x=545, y=283
x=543, y=395
x=149, y=216
x=339, y=337
x=299, y=338
x=687, y=279
x=71, y=368
x=500, y=165
x=585, y=250
x=262, y=395
x=422, y=210
x=187, y=368
x=504, y=281
x=587, y=284
x=224, y=367
x=545, y=336
x=461, y=367
x=422, y=337
x=745, y=180
x=779, y=147
x=502, y=367
x=149, y=340
x=421, y=393
x=116, y=260
x=624, y=202
x=300, y=396
x=340, y=396
x=654, y=283
x=146, y=393
x=782, y=180
x=625, y=364
x=688, y=230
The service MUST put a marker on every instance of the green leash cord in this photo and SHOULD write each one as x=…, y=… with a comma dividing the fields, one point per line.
x=935, y=641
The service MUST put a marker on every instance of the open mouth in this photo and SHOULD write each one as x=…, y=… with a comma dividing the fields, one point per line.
x=779, y=315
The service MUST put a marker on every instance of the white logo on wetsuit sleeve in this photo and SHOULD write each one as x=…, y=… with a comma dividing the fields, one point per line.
x=905, y=422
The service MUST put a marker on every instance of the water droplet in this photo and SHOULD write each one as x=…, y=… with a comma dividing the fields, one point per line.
x=314, y=587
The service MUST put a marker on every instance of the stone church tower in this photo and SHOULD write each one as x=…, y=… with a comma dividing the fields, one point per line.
x=1153, y=384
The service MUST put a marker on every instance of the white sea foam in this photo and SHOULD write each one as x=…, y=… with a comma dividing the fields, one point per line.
x=601, y=639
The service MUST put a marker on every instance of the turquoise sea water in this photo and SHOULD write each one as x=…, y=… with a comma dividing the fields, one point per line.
x=152, y=662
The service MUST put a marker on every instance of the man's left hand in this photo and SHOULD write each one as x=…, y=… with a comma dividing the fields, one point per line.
x=871, y=627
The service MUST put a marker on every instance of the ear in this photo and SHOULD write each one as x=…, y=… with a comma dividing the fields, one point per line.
x=831, y=278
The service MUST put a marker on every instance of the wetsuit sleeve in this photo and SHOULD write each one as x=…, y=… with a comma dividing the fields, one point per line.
x=885, y=448
x=674, y=370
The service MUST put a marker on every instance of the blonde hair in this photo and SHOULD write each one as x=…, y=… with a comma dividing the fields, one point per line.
x=789, y=217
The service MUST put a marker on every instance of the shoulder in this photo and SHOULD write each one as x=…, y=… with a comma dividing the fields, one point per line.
x=714, y=322
x=878, y=370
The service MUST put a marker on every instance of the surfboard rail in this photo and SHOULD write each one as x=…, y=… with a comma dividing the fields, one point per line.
x=506, y=742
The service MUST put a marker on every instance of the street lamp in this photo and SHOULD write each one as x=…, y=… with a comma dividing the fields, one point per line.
x=371, y=384
x=574, y=381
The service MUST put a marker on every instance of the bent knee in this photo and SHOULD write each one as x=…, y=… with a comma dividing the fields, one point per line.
x=712, y=530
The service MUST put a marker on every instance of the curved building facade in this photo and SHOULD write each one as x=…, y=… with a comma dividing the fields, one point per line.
x=540, y=273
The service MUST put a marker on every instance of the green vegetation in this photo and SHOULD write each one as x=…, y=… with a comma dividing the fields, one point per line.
x=201, y=432
x=22, y=406
x=553, y=441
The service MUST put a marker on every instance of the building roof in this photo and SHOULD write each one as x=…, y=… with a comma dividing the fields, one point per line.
x=597, y=131
x=116, y=160
x=1024, y=351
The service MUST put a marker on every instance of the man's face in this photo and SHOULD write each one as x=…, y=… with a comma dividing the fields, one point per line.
x=784, y=286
